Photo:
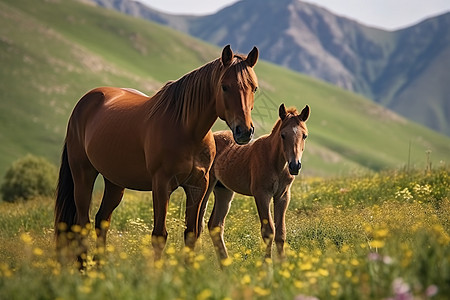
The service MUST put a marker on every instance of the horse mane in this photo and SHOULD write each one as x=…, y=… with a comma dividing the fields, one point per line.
x=183, y=98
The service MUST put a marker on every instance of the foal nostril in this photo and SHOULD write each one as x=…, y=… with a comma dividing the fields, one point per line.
x=294, y=167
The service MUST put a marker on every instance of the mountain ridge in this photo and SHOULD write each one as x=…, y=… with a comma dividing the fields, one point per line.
x=392, y=68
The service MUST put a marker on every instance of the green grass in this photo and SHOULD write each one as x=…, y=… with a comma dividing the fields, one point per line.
x=353, y=237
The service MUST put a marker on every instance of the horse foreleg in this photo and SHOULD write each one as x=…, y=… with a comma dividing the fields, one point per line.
x=216, y=224
x=111, y=198
x=267, y=228
x=160, y=205
x=280, y=207
x=195, y=192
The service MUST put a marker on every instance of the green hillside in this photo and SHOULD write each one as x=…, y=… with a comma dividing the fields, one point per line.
x=52, y=52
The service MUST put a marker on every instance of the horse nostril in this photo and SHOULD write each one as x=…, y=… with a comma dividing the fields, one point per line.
x=238, y=130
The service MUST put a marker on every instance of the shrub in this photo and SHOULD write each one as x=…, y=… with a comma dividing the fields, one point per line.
x=29, y=177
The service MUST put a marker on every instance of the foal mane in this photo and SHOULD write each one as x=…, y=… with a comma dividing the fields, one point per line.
x=291, y=111
x=184, y=98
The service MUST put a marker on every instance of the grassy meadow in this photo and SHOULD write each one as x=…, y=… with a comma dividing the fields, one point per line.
x=367, y=234
x=378, y=236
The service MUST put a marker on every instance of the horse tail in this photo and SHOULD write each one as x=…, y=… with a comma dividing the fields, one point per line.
x=65, y=209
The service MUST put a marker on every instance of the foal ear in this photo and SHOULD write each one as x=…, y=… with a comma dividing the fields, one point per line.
x=252, y=57
x=304, y=115
x=282, y=111
x=227, y=56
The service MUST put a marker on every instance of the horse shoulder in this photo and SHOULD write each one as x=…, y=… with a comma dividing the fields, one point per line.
x=206, y=153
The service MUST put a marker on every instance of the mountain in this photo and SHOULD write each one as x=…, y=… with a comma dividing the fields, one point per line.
x=404, y=70
x=52, y=52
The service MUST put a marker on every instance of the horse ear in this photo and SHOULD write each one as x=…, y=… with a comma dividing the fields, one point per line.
x=282, y=111
x=304, y=115
x=227, y=56
x=252, y=57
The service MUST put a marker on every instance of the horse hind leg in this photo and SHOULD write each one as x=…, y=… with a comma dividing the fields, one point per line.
x=84, y=176
x=112, y=197
x=216, y=224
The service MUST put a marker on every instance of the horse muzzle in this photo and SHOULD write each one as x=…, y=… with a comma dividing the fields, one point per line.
x=243, y=136
x=294, y=167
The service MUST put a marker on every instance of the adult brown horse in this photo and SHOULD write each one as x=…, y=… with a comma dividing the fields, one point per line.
x=264, y=169
x=152, y=144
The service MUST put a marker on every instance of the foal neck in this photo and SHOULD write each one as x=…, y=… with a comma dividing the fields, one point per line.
x=275, y=147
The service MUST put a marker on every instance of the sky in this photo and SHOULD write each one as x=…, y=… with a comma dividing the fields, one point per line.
x=385, y=14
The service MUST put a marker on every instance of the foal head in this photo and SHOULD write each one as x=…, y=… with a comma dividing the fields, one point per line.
x=236, y=93
x=293, y=133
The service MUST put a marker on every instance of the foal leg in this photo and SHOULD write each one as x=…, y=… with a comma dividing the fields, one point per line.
x=216, y=224
x=201, y=216
x=267, y=228
x=111, y=198
x=280, y=207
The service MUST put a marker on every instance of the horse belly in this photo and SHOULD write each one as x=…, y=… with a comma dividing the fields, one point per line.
x=125, y=168
x=116, y=151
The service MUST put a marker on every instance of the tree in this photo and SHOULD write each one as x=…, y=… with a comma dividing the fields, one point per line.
x=29, y=177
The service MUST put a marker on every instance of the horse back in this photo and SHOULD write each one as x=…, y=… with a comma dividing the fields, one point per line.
x=106, y=130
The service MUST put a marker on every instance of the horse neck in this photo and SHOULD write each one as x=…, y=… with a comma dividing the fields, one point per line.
x=201, y=120
x=274, y=146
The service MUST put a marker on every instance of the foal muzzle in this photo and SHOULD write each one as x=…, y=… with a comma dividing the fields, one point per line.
x=294, y=167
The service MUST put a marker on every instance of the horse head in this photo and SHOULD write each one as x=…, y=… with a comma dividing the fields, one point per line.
x=293, y=133
x=236, y=90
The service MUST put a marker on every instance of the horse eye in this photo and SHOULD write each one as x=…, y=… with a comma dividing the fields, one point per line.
x=304, y=136
x=256, y=88
x=282, y=136
x=224, y=88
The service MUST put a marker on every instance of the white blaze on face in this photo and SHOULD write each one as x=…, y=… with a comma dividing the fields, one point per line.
x=295, y=129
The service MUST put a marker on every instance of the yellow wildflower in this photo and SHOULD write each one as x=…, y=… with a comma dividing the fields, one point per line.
x=205, y=294
x=26, y=238
x=323, y=272
x=38, y=251
x=377, y=244
x=260, y=291
x=227, y=261
x=246, y=279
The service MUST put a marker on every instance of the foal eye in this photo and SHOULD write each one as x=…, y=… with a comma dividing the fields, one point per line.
x=224, y=88
x=256, y=88
x=304, y=136
x=282, y=136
